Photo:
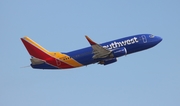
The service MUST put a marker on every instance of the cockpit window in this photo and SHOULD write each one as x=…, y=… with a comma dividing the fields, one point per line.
x=151, y=36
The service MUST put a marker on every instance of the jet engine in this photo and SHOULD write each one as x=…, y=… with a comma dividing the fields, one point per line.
x=108, y=61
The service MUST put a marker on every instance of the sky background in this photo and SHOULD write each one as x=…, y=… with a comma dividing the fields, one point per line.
x=147, y=78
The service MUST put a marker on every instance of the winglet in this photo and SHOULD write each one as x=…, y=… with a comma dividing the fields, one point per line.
x=90, y=41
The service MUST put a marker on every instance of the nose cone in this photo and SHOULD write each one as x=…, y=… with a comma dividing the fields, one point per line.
x=158, y=39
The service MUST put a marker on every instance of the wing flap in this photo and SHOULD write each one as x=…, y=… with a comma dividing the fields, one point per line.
x=98, y=50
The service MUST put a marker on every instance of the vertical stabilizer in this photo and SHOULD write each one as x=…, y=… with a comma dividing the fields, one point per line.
x=34, y=49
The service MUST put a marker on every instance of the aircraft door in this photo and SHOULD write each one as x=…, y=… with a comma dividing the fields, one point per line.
x=144, y=38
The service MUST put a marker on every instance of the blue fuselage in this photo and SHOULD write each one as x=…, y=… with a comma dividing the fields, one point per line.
x=132, y=44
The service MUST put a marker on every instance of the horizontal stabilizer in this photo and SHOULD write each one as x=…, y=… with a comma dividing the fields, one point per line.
x=35, y=61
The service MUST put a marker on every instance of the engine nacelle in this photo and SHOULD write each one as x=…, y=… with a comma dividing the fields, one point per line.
x=108, y=61
x=118, y=52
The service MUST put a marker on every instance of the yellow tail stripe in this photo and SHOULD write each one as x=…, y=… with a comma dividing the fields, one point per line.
x=65, y=58
x=35, y=44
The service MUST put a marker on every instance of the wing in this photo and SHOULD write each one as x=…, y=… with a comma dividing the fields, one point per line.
x=98, y=50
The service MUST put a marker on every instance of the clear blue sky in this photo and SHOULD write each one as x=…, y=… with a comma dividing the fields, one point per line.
x=147, y=78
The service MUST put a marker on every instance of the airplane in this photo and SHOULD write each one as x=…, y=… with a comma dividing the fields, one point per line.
x=104, y=54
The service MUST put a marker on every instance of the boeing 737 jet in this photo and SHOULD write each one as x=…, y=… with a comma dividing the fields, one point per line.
x=105, y=53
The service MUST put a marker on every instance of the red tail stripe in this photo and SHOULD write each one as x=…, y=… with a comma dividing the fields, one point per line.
x=35, y=52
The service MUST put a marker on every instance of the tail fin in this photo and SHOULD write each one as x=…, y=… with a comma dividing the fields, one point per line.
x=34, y=49
x=43, y=59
